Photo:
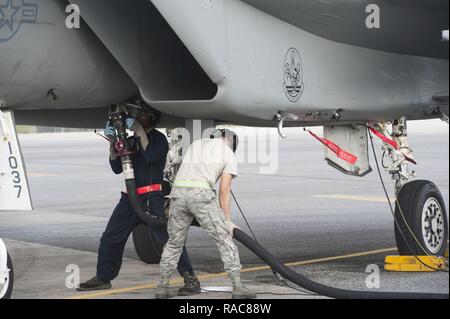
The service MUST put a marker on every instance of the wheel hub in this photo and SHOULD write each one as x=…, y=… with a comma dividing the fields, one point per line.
x=433, y=225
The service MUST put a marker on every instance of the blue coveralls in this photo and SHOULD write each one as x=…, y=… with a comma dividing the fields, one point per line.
x=148, y=167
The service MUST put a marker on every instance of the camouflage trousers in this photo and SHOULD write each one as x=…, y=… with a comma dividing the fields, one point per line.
x=187, y=203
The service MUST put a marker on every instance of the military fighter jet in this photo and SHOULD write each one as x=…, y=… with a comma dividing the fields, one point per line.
x=354, y=67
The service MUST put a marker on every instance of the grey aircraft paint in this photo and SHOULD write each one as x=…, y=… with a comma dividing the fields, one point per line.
x=44, y=65
x=225, y=60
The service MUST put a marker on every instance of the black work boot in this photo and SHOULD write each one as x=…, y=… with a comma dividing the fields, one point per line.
x=94, y=284
x=191, y=286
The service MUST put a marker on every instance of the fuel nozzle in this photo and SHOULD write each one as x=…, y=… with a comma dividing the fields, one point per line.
x=117, y=117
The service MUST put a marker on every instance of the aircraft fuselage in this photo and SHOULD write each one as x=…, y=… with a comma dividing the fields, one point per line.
x=228, y=61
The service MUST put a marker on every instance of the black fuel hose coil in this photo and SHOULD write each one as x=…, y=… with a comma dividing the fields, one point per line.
x=143, y=216
x=321, y=289
x=282, y=269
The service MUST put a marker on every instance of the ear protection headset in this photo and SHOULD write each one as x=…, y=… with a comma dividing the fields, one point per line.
x=136, y=110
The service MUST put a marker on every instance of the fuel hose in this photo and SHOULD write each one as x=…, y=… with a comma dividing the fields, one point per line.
x=117, y=117
x=283, y=270
x=277, y=266
x=125, y=152
x=144, y=217
x=332, y=292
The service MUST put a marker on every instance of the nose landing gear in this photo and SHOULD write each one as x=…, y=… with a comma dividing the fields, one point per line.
x=421, y=226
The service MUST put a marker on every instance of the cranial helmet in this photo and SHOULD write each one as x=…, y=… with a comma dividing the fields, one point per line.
x=139, y=108
x=230, y=136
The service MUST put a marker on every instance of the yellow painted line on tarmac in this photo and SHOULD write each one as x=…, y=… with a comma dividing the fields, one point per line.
x=223, y=275
x=112, y=292
x=354, y=198
x=348, y=256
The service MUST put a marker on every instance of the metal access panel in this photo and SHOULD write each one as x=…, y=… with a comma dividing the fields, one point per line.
x=353, y=139
x=14, y=189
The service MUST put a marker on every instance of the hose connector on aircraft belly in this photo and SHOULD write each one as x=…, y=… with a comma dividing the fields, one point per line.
x=283, y=118
x=318, y=288
x=118, y=116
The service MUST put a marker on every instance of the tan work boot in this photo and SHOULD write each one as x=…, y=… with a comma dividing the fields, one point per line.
x=162, y=292
x=241, y=292
x=191, y=286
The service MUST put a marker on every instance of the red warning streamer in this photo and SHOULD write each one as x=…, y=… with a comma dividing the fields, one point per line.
x=393, y=143
x=346, y=156
x=384, y=138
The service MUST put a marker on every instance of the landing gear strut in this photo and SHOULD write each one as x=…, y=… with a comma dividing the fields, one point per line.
x=421, y=226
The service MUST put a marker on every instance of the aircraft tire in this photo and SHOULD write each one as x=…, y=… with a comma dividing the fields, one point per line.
x=147, y=248
x=421, y=206
x=10, y=279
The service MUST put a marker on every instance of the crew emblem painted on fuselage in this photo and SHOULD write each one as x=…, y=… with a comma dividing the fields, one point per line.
x=293, y=75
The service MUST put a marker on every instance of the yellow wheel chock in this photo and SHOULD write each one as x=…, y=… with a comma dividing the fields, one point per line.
x=411, y=264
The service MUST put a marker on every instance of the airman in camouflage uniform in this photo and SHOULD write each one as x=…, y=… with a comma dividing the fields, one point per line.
x=206, y=162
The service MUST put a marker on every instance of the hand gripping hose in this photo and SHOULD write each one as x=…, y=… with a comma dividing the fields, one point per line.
x=321, y=289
